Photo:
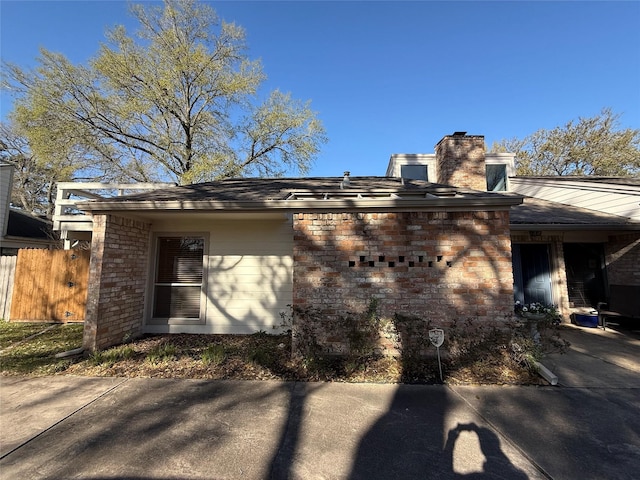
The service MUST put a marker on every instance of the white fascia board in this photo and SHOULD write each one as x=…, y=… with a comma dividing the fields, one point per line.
x=11, y=241
x=112, y=186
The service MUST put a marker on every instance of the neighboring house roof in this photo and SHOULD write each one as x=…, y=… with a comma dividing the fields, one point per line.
x=22, y=224
x=538, y=213
x=318, y=193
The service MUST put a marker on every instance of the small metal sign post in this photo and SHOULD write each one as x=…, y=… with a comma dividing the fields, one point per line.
x=436, y=336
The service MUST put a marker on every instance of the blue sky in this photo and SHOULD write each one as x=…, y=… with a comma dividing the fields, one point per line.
x=394, y=77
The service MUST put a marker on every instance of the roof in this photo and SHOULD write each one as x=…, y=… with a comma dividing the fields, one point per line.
x=362, y=193
x=318, y=193
x=23, y=225
x=247, y=189
x=535, y=212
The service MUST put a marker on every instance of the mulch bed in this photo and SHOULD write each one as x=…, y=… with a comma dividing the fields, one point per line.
x=268, y=357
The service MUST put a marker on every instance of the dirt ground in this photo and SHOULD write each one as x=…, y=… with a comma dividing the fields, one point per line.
x=262, y=357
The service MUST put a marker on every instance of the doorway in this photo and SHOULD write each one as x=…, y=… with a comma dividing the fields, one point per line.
x=532, y=273
x=586, y=273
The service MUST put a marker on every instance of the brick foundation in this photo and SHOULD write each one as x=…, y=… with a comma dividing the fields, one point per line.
x=440, y=266
x=117, y=279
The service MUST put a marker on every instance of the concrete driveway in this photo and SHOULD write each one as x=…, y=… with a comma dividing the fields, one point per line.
x=598, y=358
x=102, y=428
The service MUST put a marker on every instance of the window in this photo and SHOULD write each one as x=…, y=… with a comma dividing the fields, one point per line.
x=496, y=177
x=178, y=278
x=414, y=172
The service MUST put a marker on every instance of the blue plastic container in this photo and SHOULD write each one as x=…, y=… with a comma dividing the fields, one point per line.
x=587, y=320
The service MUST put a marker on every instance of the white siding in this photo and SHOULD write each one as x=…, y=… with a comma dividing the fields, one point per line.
x=6, y=179
x=249, y=274
x=397, y=160
x=608, y=198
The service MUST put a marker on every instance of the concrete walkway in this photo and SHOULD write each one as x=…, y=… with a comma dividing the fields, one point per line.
x=103, y=428
x=598, y=358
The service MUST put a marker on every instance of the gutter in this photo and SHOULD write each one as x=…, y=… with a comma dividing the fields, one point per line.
x=70, y=353
x=545, y=373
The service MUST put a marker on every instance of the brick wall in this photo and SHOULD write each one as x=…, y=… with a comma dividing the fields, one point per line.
x=117, y=279
x=441, y=266
x=460, y=161
x=622, y=254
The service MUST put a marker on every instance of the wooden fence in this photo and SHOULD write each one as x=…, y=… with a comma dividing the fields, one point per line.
x=7, y=274
x=50, y=285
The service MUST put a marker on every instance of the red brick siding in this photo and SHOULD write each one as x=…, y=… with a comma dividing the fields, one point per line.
x=442, y=266
x=461, y=162
x=623, y=259
x=117, y=279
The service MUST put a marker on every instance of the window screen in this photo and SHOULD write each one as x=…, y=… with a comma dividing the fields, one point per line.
x=414, y=172
x=496, y=178
x=178, y=278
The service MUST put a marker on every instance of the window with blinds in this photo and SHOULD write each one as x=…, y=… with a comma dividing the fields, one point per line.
x=178, y=277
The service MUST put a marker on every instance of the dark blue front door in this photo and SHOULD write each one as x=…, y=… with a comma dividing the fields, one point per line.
x=531, y=272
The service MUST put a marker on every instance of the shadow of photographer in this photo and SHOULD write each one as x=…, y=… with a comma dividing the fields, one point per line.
x=496, y=464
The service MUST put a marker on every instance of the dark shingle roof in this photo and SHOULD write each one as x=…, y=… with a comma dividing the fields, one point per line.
x=23, y=225
x=260, y=189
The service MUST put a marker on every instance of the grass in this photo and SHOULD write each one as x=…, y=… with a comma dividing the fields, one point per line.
x=162, y=353
x=214, y=355
x=112, y=356
x=12, y=333
x=36, y=356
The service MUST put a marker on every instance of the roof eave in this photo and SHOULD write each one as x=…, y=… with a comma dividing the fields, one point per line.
x=476, y=203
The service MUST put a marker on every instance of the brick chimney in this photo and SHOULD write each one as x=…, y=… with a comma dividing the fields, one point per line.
x=460, y=161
